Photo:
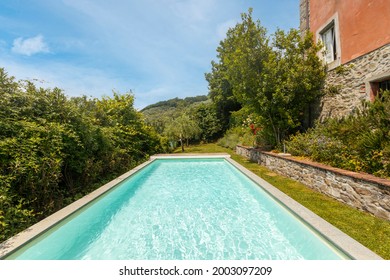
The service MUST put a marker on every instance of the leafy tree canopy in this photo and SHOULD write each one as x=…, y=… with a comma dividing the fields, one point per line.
x=182, y=129
x=277, y=77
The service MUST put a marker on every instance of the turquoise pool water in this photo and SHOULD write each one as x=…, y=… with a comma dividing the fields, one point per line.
x=185, y=209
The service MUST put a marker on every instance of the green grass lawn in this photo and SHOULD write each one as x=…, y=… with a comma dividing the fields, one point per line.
x=372, y=232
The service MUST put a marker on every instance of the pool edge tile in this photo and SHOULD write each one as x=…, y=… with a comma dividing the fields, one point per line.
x=190, y=155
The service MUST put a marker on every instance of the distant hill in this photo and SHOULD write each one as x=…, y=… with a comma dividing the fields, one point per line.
x=158, y=114
x=176, y=102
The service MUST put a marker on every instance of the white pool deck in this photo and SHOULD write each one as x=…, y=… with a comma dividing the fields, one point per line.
x=339, y=239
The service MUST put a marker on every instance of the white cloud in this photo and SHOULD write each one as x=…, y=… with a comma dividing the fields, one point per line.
x=30, y=46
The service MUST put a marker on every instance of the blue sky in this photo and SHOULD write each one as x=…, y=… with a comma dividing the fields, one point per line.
x=158, y=49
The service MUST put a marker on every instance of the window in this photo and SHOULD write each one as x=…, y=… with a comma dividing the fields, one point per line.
x=329, y=35
x=378, y=86
x=328, y=38
x=384, y=85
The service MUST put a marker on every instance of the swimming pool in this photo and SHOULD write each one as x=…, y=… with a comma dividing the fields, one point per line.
x=186, y=209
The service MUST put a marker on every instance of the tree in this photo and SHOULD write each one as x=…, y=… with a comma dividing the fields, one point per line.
x=182, y=129
x=235, y=79
x=221, y=93
x=294, y=77
x=206, y=117
x=276, y=80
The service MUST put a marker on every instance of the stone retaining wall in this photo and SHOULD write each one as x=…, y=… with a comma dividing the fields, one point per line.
x=361, y=191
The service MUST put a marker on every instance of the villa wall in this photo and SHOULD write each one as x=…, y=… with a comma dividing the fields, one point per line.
x=354, y=82
x=362, y=191
x=362, y=46
x=363, y=25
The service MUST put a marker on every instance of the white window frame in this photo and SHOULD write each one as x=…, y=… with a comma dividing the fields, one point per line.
x=329, y=35
x=328, y=38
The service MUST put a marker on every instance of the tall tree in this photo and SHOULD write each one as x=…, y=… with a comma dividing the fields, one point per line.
x=206, y=117
x=221, y=93
x=293, y=79
x=277, y=80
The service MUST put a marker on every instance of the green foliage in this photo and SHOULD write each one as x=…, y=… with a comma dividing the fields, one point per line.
x=239, y=136
x=206, y=118
x=54, y=149
x=165, y=115
x=343, y=70
x=14, y=213
x=182, y=129
x=160, y=114
x=332, y=90
x=276, y=79
x=221, y=93
x=358, y=142
x=176, y=102
x=231, y=138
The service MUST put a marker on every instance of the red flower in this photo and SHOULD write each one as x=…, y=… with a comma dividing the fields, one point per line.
x=253, y=128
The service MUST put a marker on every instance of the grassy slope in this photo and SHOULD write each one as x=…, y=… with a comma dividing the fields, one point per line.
x=370, y=231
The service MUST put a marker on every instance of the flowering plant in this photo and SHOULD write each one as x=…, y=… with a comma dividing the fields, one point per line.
x=254, y=129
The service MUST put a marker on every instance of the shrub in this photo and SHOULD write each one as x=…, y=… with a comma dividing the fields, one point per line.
x=359, y=142
x=231, y=138
x=54, y=149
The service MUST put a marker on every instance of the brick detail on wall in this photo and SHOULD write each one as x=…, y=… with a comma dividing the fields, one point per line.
x=361, y=191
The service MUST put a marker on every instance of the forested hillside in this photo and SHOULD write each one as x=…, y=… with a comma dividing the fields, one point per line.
x=54, y=149
x=161, y=113
x=174, y=103
x=180, y=121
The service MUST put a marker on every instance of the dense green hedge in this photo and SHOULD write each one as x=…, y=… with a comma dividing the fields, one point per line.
x=359, y=142
x=54, y=149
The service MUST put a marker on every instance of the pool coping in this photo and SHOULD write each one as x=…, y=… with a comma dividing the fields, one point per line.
x=341, y=240
x=191, y=155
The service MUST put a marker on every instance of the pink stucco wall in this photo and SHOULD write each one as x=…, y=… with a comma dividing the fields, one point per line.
x=364, y=24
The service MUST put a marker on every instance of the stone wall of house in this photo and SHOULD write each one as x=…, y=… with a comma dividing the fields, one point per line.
x=349, y=84
x=362, y=191
x=304, y=12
